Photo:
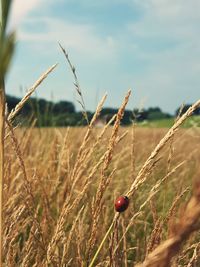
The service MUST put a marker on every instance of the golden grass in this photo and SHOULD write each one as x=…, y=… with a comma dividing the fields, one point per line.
x=60, y=186
x=188, y=223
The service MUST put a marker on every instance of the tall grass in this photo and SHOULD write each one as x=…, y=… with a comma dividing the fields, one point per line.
x=57, y=212
x=7, y=43
x=6, y=52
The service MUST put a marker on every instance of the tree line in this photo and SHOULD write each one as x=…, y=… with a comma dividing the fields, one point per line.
x=63, y=113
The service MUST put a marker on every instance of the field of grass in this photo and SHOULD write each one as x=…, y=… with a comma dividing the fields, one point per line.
x=193, y=121
x=61, y=184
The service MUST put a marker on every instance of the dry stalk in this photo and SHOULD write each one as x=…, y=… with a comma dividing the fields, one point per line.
x=151, y=195
x=10, y=257
x=66, y=209
x=113, y=242
x=29, y=249
x=80, y=155
x=58, y=171
x=155, y=237
x=17, y=149
x=188, y=223
x=86, y=158
x=67, y=240
x=20, y=105
x=116, y=217
x=78, y=246
x=95, y=218
x=153, y=210
x=27, y=184
x=76, y=83
x=16, y=217
x=124, y=244
x=2, y=129
x=171, y=153
x=149, y=162
x=104, y=177
x=195, y=256
x=171, y=213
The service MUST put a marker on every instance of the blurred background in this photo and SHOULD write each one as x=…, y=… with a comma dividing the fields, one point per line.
x=150, y=46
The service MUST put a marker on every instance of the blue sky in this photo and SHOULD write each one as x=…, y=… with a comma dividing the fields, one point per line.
x=150, y=46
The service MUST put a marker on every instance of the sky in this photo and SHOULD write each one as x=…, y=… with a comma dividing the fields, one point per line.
x=150, y=46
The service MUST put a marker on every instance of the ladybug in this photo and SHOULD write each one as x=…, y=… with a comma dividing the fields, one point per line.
x=121, y=203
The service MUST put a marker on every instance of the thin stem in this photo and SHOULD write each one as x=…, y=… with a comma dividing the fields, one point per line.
x=77, y=85
x=104, y=239
x=2, y=123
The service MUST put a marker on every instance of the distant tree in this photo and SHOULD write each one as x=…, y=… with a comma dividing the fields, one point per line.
x=46, y=112
x=63, y=107
x=109, y=112
x=11, y=102
x=41, y=105
x=140, y=115
x=152, y=113
x=154, y=109
x=63, y=113
x=156, y=113
x=185, y=108
x=128, y=117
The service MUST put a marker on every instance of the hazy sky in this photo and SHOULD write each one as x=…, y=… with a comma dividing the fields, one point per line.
x=151, y=46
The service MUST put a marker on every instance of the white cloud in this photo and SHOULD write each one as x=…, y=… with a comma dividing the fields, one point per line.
x=170, y=7
x=163, y=42
x=168, y=18
x=167, y=38
x=80, y=37
x=20, y=9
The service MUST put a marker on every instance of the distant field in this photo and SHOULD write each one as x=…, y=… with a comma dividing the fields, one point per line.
x=167, y=123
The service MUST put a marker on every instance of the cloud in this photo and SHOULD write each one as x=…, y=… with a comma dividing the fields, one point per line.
x=167, y=41
x=157, y=51
x=20, y=9
x=167, y=18
x=81, y=38
x=172, y=8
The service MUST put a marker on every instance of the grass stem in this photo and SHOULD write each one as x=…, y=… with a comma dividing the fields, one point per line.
x=102, y=242
x=2, y=123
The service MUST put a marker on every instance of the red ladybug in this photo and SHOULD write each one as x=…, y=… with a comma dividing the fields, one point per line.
x=121, y=203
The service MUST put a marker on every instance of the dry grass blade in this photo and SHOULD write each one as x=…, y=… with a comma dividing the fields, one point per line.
x=105, y=180
x=2, y=126
x=195, y=255
x=67, y=240
x=153, y=191
x=20, y=105
x=170, y=216
x=103, y=241
x=149, y=162
x=188, y=222
x=86, y=139
x=76, y=83
x=27, y=186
